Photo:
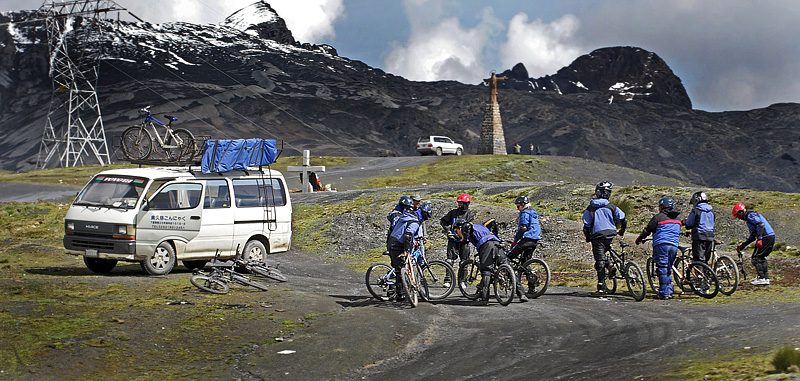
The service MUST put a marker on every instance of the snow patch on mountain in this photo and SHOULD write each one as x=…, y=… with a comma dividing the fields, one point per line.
x=250, y=16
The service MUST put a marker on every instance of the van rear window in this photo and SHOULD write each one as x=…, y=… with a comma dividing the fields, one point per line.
x=258, y=192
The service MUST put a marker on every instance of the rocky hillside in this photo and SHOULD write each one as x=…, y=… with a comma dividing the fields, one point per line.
x=248, y=77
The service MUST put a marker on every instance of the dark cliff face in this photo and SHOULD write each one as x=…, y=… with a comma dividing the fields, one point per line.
x=621, y=73
x=234, y=82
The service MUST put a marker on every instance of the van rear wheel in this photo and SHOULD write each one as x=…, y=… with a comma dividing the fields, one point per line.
x=100, y=266
x=161, y=261
x=196, y=264
x=254, y=250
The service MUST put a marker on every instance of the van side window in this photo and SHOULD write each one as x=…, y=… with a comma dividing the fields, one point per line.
x=177, y=196
x=259, y=192
x=217, y=195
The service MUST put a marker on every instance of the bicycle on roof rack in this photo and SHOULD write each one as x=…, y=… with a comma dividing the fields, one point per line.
x=139, y=143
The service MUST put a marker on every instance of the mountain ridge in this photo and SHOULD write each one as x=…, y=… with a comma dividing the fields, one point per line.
x=228, y=83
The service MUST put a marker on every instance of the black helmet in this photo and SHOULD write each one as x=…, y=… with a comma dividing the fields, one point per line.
x=603, y=189
x=466, y=227
x=521, y=200
x=698, y=197
x=425, y=210
x=666, y=202
x=405, y=203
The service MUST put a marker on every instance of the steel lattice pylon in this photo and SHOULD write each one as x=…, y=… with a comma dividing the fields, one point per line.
x=74, y=129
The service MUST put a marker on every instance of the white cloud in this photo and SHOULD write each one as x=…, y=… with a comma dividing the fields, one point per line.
x=442, y=49
x=542, y=48
x=309, y=21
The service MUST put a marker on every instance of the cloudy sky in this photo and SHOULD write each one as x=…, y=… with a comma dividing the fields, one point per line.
x=730, y=54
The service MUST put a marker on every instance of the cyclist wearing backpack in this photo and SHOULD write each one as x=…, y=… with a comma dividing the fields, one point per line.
x=489, y=250
x=666, y=230
x=599, y=227
x=701, y=222
x=528, y=231
x=457, y=248
x=762, y=233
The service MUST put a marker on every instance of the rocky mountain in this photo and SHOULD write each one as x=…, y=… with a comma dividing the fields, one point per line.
x=248, y=77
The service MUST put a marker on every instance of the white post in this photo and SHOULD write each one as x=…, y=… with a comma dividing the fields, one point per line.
x=306, y=170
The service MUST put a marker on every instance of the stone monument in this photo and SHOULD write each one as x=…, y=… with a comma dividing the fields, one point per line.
x=492, y=141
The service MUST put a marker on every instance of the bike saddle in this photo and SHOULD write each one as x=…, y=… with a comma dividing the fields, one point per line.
x=170, y=117
x=623, y=244
x=683, y=249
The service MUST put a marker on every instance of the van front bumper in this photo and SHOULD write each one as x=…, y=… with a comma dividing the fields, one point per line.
x=100, y=247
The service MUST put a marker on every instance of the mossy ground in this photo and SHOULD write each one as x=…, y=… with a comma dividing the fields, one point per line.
x=125, y=324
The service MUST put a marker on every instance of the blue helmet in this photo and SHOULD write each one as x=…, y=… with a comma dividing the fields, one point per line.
x=405, y=203
x=425, y=210
x=666, y=202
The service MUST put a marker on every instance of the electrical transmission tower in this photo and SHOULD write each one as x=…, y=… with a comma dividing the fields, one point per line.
x=74, y=133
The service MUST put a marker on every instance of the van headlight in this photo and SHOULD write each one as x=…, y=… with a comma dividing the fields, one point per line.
x=126, y=230
x=69, y=226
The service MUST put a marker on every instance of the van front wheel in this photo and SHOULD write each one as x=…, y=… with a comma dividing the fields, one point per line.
x=161, y=261
x=255, y=251
x=100, y=266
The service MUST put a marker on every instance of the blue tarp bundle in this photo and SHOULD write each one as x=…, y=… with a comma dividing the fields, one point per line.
x=225, y=155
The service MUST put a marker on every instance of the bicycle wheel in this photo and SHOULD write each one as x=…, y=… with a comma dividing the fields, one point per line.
x=422, y=284
x=246, y=281
x=209, y=284
x=611, y=279
x=535, y=274
x=439, y=277
x=378, y=279
x=182, y=146
x=682, y=264
x=469, y=278
x=409, y=287
x=267, y=272
x=702, y=280
x=137, y=143
x=635, y=280
x=652, y=275
x=505, y=284
x=727, y=274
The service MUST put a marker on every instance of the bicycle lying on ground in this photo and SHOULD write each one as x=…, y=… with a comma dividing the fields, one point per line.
x=138, y=141
x=619, y=269
x=435, y=277
x=689, y=275
x=532, y=272
x=503, y=281
x=221, y=274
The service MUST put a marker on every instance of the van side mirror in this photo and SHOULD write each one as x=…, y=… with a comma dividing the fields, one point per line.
x=145, y=204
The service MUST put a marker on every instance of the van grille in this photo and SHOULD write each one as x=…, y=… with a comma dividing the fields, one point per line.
x=86, y=244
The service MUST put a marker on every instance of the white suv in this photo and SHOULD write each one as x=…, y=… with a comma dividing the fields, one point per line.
x=439, y=145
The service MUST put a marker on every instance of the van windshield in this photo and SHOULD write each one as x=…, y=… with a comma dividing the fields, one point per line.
x=112, y=191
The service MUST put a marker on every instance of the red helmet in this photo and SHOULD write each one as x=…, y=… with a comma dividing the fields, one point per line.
x=738, y=208
x=464, y=198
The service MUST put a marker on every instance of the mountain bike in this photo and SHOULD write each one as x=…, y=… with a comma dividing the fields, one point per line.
x=260, y=269
x=690, y=276
x=503, y=280
x=434, y=275
x=138, y=141
x=533, y=272
x=618, y=269
x=725, y=269
x=221, y=274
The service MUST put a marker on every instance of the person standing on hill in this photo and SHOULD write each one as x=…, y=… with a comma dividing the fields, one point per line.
x=762, y=233
x=666, y=230
x=517, y=149
x=457, y=247
x=599, y=227
x=701, y=221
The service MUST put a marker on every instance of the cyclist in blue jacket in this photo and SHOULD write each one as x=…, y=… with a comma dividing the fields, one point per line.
x=489, y=251
x=762, y=233
x=599, y=227
x=666, y=230
x=701, y=222
x=401, y=239
x=528, y=230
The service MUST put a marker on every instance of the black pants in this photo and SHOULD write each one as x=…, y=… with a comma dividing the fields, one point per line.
x=701, y=250
x=491, y=253
x=759, y=258
x=526, y=246
x=599, y=248
x=457, y=250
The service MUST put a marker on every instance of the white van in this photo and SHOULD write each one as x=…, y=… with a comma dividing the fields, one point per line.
x=157, y=216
